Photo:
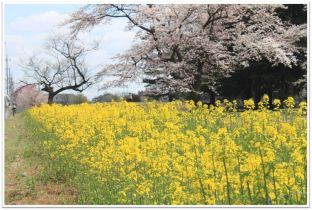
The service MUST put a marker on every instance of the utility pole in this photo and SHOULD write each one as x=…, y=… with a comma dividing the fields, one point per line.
x=7, y=70
x=9, y=79
x=11, y=85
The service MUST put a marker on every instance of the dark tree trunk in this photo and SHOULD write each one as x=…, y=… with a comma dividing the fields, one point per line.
x=50, y=98
x=170, y=97
x=249, y=89
x=257, y=96
x=257, y=91
x=194, y=97
x=270, y=93
x=212, y=97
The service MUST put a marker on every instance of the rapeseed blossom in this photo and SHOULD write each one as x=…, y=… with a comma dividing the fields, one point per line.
x=177, y=152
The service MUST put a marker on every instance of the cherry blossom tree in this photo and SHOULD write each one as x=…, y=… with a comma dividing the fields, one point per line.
x=278, y=80
x=27, y=96
x=188, y=48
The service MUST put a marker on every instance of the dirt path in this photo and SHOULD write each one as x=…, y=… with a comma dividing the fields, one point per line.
x=23, y=183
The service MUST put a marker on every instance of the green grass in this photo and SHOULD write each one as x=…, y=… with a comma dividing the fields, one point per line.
x=25, y=180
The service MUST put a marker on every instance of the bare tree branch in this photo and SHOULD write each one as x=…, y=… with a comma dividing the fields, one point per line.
x=61, y=68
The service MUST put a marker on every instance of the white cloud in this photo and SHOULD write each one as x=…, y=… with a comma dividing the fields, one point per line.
x=37, y=23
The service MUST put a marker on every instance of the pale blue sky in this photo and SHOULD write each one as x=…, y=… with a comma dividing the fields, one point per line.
x=15, y=10
x=26, y=27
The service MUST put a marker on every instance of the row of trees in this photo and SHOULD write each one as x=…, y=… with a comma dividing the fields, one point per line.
x=68, y=98
x=234, y=50
x=109, y=97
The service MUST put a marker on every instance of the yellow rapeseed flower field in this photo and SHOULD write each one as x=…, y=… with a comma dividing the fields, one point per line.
x=176, y=153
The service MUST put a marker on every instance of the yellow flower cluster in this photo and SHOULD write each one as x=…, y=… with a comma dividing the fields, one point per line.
x=289, y=102
x=249, y=104
x=264, y=103
x=276, y=104
x=176, y=153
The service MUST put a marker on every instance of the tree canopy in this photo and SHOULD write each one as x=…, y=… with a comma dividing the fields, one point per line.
x=191, y=48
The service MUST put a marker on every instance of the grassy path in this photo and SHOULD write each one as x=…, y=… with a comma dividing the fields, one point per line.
x=23, y=183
